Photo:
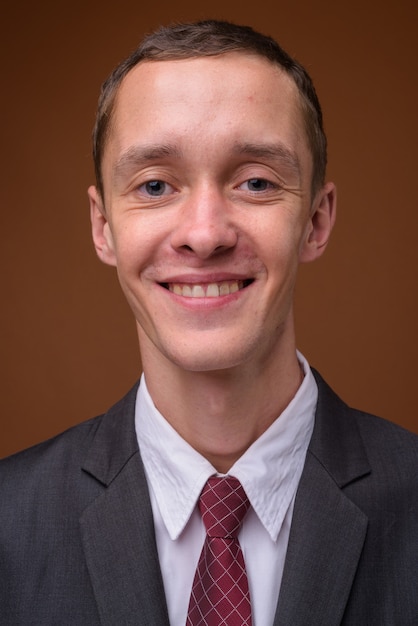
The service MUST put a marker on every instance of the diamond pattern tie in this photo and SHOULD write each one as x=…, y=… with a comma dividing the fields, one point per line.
x=220, y=594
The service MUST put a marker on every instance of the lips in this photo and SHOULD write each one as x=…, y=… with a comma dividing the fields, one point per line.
x=207, y=290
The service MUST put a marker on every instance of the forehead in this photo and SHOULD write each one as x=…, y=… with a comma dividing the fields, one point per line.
x=232, y=97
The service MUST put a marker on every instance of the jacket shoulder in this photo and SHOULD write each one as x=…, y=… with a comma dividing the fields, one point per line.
x=378, y=435
x=56, y=465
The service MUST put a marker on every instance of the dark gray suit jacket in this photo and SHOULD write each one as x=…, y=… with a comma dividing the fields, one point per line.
x=77, y=542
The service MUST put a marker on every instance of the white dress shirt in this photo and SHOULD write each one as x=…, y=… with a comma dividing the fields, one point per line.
x=269, y=472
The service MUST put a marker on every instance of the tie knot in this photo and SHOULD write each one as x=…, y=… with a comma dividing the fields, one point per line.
x=223, y=505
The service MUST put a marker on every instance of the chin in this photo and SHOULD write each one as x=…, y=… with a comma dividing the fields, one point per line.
x=208, y=358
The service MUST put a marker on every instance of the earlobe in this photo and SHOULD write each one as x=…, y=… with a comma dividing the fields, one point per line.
x=320, y=224
x=102, y=235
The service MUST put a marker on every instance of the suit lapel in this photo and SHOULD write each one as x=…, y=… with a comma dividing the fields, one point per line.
x=117, y=528
x=328, y=530
x=326, y=540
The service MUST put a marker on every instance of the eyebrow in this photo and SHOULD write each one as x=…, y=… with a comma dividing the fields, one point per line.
x=276, y=151
x=137, y=156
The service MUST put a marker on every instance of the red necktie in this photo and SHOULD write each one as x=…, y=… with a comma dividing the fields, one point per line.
x=220, y=594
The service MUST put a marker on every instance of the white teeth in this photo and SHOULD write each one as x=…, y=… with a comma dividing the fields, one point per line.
x=210, y=290
x=197, y=291
x=213, y=290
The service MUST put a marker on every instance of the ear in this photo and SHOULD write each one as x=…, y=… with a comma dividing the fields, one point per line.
x=320, y=225
x=102, y=234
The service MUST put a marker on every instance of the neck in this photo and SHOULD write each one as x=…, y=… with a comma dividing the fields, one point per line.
x=221, y=413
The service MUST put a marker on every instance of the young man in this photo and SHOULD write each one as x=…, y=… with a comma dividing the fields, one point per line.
x=210, y=161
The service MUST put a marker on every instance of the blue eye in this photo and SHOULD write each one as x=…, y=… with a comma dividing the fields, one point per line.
x=258, y=184
x=154, y=188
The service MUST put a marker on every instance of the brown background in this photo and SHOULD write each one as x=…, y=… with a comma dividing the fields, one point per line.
x=69, y=344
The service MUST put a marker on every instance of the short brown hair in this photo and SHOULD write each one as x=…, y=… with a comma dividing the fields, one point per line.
x=210, y=38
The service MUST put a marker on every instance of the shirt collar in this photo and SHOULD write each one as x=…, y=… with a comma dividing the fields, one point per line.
x=269, y=470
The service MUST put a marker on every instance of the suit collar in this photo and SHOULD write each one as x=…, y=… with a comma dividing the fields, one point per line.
x=117, y=528
x=336, y=441
x=114, y=441
x=328, y=529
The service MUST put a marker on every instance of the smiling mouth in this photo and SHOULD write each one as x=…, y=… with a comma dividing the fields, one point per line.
x=207, y=290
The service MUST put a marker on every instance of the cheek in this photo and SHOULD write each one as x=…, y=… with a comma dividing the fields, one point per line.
x=280, y=256
x=134, y=243
x=279, y=242
x=147, y=229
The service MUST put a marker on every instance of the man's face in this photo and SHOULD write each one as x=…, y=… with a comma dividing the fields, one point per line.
x=208, y=208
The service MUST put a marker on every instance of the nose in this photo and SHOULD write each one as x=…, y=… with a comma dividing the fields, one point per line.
x=205, y=225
